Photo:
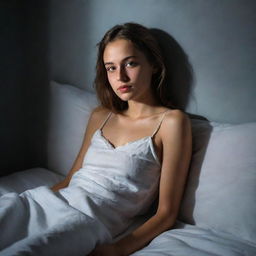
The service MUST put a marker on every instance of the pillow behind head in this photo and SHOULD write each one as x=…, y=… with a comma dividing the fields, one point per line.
x=221, y=187
x=70, y=109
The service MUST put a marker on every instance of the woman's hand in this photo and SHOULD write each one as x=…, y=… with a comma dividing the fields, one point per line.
x=106, y=250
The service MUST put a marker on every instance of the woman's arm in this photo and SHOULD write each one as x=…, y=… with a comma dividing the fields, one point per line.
x=92, y=125
x=177, y=148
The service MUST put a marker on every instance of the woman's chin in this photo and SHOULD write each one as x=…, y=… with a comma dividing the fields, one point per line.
x=125, y=97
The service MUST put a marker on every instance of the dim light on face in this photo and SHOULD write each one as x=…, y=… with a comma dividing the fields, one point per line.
x=128, y=70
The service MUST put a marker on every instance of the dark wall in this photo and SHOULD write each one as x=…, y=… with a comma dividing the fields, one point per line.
x=37, y=54
x=13, y=136
x=23, y=84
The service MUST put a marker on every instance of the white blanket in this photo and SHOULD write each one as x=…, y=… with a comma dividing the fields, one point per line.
x=74, y=233
x=38, y=222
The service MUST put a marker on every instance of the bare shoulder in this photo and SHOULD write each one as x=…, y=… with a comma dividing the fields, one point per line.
x=98, y=114
x=176, y=116
x=175, y=120
x=99, y=110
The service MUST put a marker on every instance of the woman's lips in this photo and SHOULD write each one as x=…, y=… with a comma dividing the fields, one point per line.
x=124, y=88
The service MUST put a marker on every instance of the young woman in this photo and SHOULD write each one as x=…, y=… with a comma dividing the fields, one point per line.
x=136, y=149
x=129, y=83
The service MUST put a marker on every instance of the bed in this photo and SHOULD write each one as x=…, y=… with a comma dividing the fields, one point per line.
x=218, y=210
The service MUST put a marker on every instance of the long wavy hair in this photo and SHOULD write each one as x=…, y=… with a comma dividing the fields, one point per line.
x=144, y=41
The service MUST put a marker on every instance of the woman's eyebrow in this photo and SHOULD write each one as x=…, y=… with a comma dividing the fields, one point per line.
x=126, y=58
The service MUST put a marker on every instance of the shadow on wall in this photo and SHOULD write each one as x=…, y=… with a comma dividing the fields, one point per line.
x=180, y=76
x=180, y=82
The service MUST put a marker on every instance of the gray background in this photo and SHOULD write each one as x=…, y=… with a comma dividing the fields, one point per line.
x=56, y=39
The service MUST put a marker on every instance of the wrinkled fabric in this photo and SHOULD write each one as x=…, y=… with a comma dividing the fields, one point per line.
x=38, y=222
x=191, y=240
x=115, y=184
x=103, y=198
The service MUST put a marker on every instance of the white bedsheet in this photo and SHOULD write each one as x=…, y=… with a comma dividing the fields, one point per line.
x=190, y=240
x=38, y=222
x=184, y=240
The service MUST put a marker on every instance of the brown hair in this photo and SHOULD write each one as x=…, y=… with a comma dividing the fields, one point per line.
x=142, y=38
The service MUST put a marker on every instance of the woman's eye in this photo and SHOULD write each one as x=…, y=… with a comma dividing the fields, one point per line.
x=110, y=68
x=131, y=64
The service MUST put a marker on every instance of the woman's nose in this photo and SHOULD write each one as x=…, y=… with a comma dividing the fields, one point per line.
x=122, y=75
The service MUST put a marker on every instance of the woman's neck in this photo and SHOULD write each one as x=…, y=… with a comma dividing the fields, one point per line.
x=138, y=110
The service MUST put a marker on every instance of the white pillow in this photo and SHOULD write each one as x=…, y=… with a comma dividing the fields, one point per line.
x=221, y=188
x=70, y=108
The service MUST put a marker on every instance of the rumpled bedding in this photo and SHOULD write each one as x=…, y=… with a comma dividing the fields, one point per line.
x=31, y=178
x=39, y=222
x=189, y=240
x=74, y=233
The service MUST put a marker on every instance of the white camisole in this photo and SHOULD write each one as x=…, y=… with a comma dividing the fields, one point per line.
x=116, y=184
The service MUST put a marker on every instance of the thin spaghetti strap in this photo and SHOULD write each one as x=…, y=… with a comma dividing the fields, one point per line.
x=157, y=128
x=109, y=114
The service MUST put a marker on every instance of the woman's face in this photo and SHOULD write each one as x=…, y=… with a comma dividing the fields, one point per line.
x=128, y=70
